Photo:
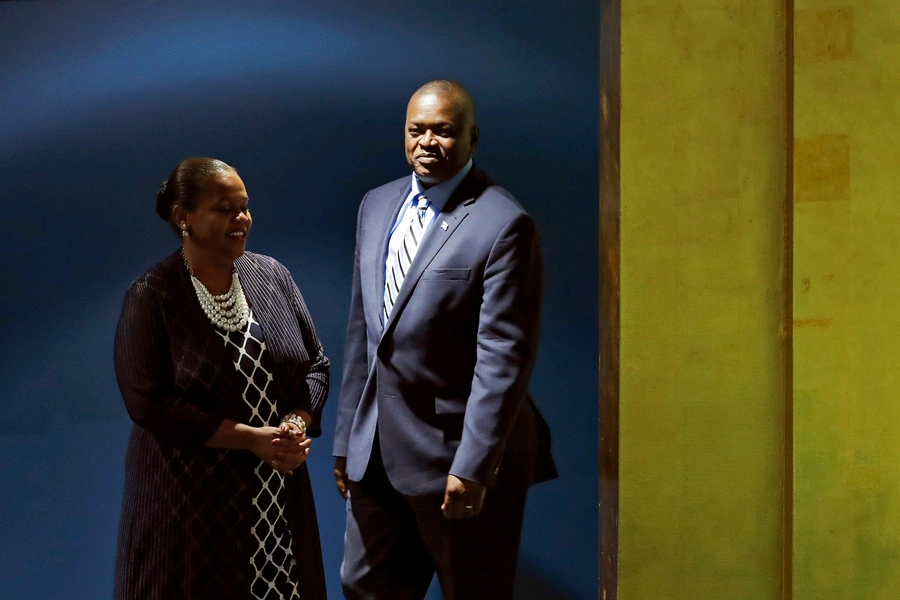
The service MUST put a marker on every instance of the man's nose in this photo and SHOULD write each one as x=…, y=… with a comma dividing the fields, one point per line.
x=428, y=139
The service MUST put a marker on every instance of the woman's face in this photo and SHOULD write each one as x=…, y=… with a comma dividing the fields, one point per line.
x=220, y=221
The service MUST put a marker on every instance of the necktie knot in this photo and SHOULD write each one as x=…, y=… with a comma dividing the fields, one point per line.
x=421, y=204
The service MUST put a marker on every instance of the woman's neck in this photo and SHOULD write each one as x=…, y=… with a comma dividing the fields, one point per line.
x=214, y=272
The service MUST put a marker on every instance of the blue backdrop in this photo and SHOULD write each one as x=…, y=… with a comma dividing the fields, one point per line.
x=100, y=100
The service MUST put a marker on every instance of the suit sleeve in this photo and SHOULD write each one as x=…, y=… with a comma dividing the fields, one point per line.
x=145, y=374
x=317, y=378
x=508, y=331
x=356, y=362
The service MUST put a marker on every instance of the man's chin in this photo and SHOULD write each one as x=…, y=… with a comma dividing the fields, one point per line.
x=430, y=176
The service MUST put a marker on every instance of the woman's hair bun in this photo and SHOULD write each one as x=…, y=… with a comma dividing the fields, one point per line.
x=163, y=208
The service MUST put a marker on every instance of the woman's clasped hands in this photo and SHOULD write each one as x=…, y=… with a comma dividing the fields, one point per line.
x=283, y=448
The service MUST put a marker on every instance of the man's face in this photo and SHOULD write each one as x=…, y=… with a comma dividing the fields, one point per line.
x=440, y=136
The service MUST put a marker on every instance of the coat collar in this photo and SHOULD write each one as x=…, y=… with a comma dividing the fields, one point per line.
x=386, y=225
x=455, y=211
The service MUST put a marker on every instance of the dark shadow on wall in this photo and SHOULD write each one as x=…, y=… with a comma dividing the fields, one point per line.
x=533, y=583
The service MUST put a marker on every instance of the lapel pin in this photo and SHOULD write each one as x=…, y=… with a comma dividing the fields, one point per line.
x=444, y=225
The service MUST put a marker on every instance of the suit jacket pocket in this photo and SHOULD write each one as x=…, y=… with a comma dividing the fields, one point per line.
x=451, y=274
x=449, y=406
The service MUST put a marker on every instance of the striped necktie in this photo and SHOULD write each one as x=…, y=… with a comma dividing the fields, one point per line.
x=399, y=263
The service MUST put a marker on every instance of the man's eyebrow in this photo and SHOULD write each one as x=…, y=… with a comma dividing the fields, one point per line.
x=430, y=124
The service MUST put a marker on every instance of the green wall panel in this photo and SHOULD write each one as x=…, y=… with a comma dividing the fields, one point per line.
x=846, y=309
x=703, y=187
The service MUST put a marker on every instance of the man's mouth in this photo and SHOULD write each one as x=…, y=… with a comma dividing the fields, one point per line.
x=238, y=234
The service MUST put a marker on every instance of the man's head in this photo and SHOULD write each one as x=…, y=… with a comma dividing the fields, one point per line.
x=441, y=133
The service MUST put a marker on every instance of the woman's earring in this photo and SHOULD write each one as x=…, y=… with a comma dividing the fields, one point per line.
x=184, y=231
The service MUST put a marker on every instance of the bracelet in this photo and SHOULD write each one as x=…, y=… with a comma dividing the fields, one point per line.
x=294, y=419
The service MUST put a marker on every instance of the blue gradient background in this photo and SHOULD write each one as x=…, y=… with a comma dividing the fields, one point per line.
x=99, y=101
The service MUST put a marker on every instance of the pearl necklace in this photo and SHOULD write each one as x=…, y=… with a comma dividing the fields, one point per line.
x=228, y=311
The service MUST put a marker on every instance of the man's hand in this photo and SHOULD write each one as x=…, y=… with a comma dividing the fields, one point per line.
x=462, y=499
x=340, y=475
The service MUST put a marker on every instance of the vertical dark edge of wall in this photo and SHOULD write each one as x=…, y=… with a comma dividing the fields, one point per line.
x=788, y=491
x=610, y=210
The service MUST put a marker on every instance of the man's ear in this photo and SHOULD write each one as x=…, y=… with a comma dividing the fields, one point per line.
x=475, y=135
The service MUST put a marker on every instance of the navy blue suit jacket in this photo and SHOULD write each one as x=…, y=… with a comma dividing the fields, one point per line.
x=445, y=380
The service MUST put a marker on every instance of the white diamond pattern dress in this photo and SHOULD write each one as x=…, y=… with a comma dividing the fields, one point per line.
x=273, y=561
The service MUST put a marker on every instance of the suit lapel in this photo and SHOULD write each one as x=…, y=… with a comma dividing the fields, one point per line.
x=380, y=252
x=455, y=211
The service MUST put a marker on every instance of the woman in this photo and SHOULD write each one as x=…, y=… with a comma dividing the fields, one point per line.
x=223, y=374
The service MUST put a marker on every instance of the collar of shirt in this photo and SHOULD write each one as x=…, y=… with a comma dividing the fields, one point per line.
x=437, y=197
x=439, y=194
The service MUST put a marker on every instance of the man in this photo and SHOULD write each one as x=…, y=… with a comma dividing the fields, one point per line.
x=437, y=439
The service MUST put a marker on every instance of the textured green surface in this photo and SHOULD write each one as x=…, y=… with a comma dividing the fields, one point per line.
x=701, y=397
x=847, y=313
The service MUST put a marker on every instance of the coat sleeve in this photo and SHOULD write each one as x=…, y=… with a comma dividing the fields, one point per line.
x=145, y=375
x=356, y=362
x=508, y=331
x=317, y=378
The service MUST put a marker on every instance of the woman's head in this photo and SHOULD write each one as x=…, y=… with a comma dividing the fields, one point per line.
x=189, y=180
x=205, y=201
